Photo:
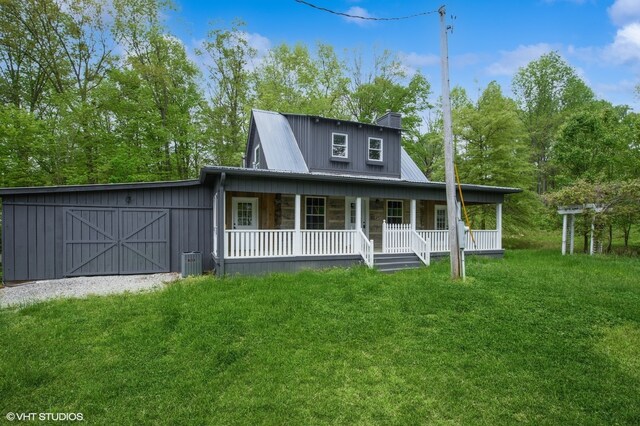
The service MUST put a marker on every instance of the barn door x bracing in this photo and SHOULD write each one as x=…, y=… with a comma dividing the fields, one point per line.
x=115, y=241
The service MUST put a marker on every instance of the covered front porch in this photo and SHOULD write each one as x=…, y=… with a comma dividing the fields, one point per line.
x=267, y=221
x=277, y=226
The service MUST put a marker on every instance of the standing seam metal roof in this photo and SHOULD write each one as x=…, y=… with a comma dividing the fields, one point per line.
x=278, y=142
x=409, y=170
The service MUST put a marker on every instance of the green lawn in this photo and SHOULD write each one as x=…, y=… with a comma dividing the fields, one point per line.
x=533, y=338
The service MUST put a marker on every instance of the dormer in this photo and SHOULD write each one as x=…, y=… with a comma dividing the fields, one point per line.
x=331, y=145
x=315, y=144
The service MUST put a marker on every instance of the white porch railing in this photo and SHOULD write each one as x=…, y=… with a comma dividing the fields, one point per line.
x=258, y=243
x=402, y=238
x=280, y=243
x=328, y=243
x=484, y=240
x=421, y=247
x=366, y=248
x=396, y=238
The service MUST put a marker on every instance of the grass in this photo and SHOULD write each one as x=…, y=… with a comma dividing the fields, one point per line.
x=534, y=338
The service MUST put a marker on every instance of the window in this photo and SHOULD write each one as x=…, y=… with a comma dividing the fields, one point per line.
x=441, y=220
x=315, y=212
x=339, y=145
x=394, y=211
x=375, y=149
x=256, y=157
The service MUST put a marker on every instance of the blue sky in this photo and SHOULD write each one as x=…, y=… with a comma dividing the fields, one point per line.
x=490, y=39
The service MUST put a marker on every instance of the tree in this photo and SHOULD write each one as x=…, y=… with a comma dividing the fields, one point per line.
x=228, y=55
x=293, y=79
x=593, y=144
x=387, y=87
x=493, y=150
x=23, y=139
x=546, y=89
x=428, y=150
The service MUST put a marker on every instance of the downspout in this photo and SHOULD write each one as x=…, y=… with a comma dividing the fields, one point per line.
x=221, y=224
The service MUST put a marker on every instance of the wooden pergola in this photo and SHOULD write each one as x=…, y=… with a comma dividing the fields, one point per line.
x=569, y=215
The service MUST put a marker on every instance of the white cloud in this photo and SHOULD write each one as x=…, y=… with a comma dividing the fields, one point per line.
x=623, y=12
x=626, y=46
x=358, y=11
x=414, y=59
x=511, y=60
x=622, y=86
x=259, y=42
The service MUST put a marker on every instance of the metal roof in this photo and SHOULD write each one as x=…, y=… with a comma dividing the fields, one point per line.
x=278, y=142
x=409, y=171
x=97, y=187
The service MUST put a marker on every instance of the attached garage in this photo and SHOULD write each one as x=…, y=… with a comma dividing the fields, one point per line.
x=113, y=229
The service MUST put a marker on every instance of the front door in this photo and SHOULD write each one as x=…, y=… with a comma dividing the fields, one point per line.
x=350, y=214
x=245, y=213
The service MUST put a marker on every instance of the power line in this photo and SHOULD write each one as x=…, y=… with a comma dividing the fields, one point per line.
x=366, y=18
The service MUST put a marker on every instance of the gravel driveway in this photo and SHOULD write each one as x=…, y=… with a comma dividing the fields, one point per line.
x=81, y=287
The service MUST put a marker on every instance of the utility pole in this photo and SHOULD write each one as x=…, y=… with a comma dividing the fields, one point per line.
x=448, y=149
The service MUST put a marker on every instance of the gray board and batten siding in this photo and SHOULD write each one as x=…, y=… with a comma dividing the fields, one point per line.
x=55, y=232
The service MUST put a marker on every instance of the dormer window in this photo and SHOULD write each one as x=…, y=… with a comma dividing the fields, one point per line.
x=375, y=149
x=339, y=145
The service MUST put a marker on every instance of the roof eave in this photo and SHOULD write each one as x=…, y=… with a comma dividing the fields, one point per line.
x=97, y=187
x=341, y=178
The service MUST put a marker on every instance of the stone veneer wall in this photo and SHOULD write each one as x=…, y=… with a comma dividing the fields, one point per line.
x=335, y=214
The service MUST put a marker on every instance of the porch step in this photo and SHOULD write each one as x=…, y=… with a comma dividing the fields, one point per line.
x=392, y=262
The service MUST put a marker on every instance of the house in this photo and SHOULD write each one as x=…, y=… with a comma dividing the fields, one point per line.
x=314, y=192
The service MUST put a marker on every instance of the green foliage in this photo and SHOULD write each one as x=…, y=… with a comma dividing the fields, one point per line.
x=292, y=79
x=228, y=56
x=546, y=90
x=343, y=346
x=593, y=144
x=23, y=143
x=492, y=149
x=387, y=87
x=618, y=203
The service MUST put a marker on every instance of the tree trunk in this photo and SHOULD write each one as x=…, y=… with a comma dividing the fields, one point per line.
x=627, y=231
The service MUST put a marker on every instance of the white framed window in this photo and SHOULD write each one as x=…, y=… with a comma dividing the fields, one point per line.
x=375, y=149
x=339, y=145
x=441, y=221
x=315, y=212
x=256, y=157
x=394, y=211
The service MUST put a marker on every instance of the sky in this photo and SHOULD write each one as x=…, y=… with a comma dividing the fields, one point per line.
x=489, y=41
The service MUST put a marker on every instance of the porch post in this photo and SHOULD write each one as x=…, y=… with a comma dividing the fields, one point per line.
x=222, y=223
x=564, y=234
x=592, y=242
x=358, y=214
x=297, y=237
x=499, y=225
x=413, y=215
x=572, y=233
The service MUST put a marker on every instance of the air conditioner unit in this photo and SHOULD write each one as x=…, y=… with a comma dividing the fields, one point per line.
x=191, y=264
